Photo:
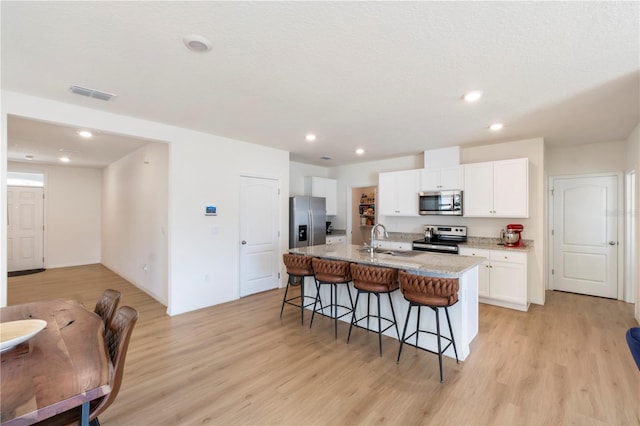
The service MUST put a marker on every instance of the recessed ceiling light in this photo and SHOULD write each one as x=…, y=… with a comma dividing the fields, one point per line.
x=85, y=133
x=29, y=157
x=472, y=96
x=359, y=151
x=197, y=43
x=327, y=157
x=496, y=126
x=64, y=159
x=310, y=137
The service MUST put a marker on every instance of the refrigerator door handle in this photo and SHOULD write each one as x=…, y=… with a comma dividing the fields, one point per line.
x=310, y=213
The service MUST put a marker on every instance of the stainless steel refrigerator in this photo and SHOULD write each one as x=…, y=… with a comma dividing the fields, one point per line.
x=307, y=221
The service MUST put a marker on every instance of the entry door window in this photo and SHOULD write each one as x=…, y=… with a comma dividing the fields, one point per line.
x=25, y=179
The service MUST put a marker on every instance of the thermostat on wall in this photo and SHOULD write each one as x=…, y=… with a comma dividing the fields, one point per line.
x=210, y=211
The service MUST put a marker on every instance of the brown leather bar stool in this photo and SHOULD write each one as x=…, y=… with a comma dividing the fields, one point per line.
x=298, y=267
x=376, y=281
x=434, y=293
x=332, y=272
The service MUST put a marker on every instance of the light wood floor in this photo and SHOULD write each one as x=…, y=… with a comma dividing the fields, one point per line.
x=238, y=364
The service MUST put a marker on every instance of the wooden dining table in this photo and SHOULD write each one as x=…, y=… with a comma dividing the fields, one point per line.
x=64, y=366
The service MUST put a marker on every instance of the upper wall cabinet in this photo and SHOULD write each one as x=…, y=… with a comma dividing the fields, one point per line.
x=398, y=193
x=323, y=187
x=444, y=178
x=497, y=189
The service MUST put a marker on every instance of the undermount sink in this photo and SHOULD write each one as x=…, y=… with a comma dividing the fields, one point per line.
x=399, y=253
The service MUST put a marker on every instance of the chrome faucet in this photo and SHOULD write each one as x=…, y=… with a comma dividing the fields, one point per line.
x=374, y=230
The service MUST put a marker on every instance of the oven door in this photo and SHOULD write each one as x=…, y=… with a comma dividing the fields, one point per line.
x=420, y=245
x=440, y=203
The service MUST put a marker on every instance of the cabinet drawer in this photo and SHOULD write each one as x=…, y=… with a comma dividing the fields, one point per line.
x=394, y=245
x=468, y=251
x=340, y=239
x=508, y=256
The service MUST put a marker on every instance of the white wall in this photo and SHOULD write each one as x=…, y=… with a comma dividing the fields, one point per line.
x=212, y=177
x=134, y=229
x=3, y=211
x=72, y=213
x=591, y=158
x=203, y=169
x=297, y=173
x=633, y=163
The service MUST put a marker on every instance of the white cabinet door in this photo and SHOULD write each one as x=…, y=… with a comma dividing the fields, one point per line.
x=483, y=268
x=439, y=179
x=387, y=194
x=478, y=190
x=429, y=179
x=497, y=189
x=508, y=282
x=398, y=193
x=451, y=177
x=326, y=188
x=511, y=188
x=408, y=187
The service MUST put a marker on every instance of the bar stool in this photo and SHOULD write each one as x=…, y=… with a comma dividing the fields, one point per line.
x=376, y=281
x=434, y=293
x=332, y=272
x=298, y=267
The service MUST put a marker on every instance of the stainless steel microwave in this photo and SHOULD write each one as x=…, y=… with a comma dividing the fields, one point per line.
x=440, y=203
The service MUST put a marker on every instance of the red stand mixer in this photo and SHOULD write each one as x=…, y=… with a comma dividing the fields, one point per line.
x=511, y=235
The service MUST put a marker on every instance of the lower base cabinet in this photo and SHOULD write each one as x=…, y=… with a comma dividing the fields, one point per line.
x=502, y=277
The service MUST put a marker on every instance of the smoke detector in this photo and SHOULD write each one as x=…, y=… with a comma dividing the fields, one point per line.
x=197, y=43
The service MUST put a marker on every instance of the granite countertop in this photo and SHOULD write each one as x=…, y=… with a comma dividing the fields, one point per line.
x=336, y=232
x=421, y=262
x=472, y=242
x=494, y=244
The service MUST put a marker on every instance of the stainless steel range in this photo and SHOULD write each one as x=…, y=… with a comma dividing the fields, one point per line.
x=441, y=238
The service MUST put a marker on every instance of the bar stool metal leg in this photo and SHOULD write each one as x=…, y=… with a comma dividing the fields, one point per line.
x=393, y=315
x=439, y=342
x=404, y=331
x=453, y=341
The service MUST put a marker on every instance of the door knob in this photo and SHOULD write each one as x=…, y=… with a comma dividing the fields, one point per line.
x=244, y=242
x=612, y=243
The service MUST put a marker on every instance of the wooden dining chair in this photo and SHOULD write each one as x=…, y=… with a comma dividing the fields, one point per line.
x=117, y=336
x=107, y=304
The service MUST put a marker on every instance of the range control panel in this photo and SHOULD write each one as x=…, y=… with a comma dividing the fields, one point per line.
x=447, y=231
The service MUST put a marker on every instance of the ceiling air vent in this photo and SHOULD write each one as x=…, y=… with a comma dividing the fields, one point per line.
x=79, y=90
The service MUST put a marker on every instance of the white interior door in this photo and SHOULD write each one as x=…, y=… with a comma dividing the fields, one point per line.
x=25, y=233
x=259, y=218
x=585, y=235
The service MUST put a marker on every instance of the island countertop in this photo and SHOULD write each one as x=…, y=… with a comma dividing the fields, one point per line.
x=424, y=263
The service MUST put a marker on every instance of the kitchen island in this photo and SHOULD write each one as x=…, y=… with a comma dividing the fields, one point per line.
x=464, y=314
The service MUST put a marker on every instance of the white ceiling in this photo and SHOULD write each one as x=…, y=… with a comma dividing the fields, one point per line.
x=47, y=142
x=383, y=76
